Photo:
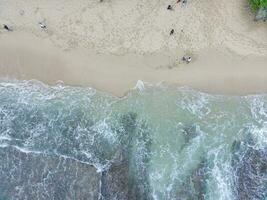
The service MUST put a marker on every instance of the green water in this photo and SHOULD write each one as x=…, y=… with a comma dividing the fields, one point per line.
x=178, y=143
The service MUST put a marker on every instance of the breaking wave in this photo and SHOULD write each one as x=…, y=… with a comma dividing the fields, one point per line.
x=62, y=142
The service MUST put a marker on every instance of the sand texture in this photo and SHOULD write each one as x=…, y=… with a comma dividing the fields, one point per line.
x=113, y=44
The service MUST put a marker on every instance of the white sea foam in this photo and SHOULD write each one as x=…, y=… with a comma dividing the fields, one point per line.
x=5, y=138
x=260, y=133
x=102, y=127
x=221, y=175
x=194, y=102
x=82, y=123
x=140, y=85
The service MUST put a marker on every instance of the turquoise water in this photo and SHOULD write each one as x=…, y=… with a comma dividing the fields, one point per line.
x=176, y=143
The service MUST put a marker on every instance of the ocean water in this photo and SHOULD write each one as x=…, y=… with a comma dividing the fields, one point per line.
x=62, y=142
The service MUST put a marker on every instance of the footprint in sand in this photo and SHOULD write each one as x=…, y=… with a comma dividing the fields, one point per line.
x=36, y=10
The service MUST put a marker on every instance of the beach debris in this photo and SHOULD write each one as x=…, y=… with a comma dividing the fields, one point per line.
x=60, y=83
x=169, y=7
x=184, y=2
x=6, y=27
x=261, y=14
x=21, y=12
x=140, y=85
x=187, y=59
x=249, y=164
x=42, y=25
x=172, y=32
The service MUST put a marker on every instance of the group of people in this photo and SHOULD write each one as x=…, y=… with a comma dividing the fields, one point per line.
x=178, y=1
x=186, y=59
x=8, y=28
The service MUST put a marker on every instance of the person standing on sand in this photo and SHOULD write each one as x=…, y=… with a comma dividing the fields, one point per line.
x=42, y=25
x=187, y=59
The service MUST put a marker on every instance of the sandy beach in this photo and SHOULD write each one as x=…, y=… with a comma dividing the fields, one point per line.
x=113, y=44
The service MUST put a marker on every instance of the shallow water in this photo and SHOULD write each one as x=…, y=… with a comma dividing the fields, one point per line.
x=66, y=142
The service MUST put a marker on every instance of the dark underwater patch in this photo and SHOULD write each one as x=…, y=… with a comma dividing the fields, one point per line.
x=250, y=170
x=127, y=177
x=32, y=176
x=194, y=187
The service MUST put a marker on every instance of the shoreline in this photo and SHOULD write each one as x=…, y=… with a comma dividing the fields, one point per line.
x=211, y=71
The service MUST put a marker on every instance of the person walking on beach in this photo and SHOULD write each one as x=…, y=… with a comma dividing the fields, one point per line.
x=7, y=28
x=172, y=32
x=169, y=7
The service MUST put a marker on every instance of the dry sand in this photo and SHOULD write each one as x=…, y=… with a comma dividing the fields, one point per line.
x=113, y=44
